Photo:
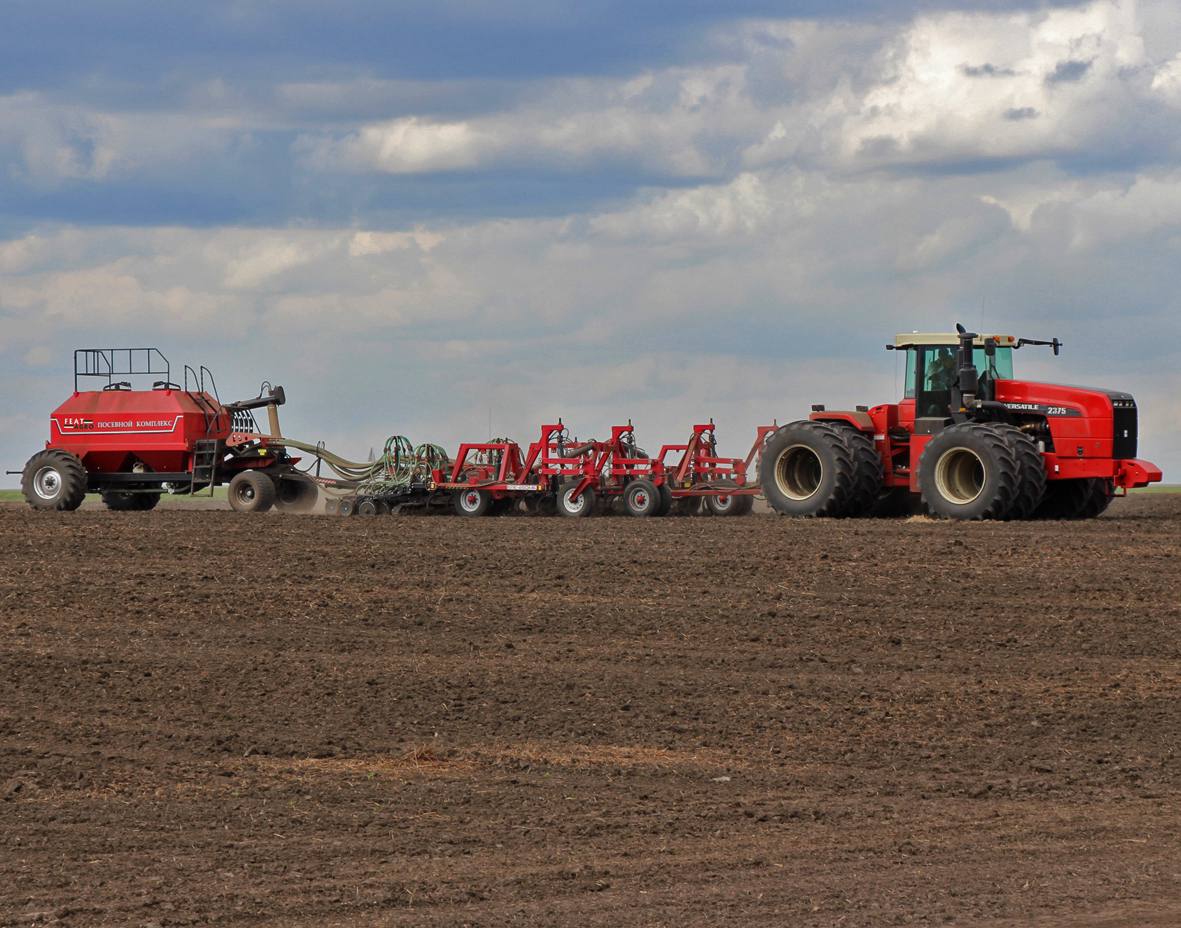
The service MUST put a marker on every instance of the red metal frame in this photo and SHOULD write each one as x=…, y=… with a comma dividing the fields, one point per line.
x=699, y=470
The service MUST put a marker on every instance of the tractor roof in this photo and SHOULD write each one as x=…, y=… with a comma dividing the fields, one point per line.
x=906, y=339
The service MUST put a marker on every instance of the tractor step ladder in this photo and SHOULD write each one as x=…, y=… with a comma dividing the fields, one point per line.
x=206, y=455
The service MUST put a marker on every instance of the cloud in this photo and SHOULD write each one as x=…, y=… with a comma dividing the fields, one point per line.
x=1068, y=71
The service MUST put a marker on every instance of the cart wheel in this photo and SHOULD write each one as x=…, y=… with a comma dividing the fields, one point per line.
x=251, y=491
x=54, y=480
x=473, y=501
x=332, y=506
x=347, y=506
x=296, y=493
x=579, y=508
x=641, y=498
x=666, y=500
x=368, y=507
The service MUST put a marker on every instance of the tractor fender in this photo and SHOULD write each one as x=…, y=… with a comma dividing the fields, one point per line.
x=859, y=420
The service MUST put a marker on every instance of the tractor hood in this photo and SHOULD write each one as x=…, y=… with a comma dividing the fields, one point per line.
x=1058, y=399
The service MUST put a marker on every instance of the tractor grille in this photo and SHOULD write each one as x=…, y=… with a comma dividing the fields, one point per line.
x=1124, y=421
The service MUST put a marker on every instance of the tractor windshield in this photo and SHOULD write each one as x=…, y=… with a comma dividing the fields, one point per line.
x=931, y=373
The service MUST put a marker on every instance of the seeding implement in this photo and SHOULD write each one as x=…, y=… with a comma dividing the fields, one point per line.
x=968, y=440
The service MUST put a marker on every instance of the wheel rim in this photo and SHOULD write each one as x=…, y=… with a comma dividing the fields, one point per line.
x=47, y=483
x=799, y=472
x=722, y=503
x=245, y=492
x=470, y=500
x=959, y=476
x=640, y=499
x=574, y=505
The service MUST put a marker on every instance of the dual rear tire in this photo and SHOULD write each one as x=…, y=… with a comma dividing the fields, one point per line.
x=821, y=469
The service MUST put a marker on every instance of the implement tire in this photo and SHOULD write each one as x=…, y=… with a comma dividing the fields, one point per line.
x=579, y=508
x=296, y=493
x=54, y=481
x=251, y=491
x=472, y=502
x=968, y=471
x=729, y=505
x=808, y=470
x=641, y=498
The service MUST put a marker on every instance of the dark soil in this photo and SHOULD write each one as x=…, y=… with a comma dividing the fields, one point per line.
x=276, y=720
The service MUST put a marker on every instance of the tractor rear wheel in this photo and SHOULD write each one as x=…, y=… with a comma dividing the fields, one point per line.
x=54, y=480
x=296, y=493
x=1031, y=470
x=969, y=471
x=575, y=508
x=1083, y=498
x=808, y=470
x=641, y=498
x=121, y=501
x=473, y=501
x=728, y=505
x=867, y=470
x=251, y=491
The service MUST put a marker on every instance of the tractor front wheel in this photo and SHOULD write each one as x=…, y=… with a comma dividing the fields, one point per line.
x=54, y=480
x=969, y=471
x=251, y=491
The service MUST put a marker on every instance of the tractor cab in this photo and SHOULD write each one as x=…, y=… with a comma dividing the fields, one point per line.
x=933, y=368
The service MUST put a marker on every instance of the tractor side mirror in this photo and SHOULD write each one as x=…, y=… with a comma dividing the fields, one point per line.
x=990, y=347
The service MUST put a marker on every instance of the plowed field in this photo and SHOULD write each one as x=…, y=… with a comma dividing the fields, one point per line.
x=303, y=721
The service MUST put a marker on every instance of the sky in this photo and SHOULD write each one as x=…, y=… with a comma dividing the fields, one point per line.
x=449, y=220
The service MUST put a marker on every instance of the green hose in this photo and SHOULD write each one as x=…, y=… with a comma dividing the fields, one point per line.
x=400, y=464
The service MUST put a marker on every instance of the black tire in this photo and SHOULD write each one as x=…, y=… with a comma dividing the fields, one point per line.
x=968, y=471
x=296, y=493
x=666, y=500
x=54, y=481
x=347, y=506
x=578, y=509
x=729, y=505
x=472, y=502
x=808, y=470
x=122, y=501
x=368, y=507
x=251, y=491
x=686, y=506
x=641, y=498
x=867, y=469
x=1031, y=470
x=1083, y=498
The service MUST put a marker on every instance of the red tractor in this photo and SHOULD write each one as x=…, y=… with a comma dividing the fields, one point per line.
x=133, y=445
x=968, y=439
